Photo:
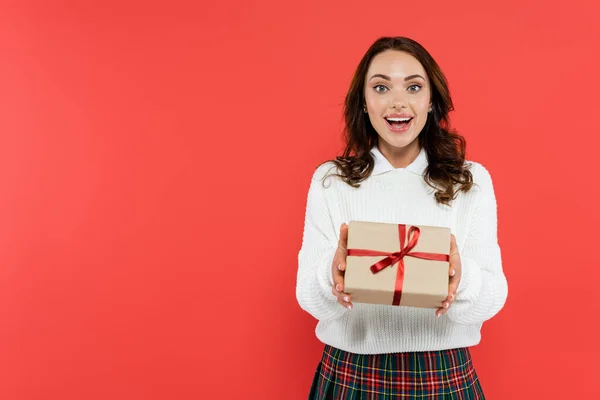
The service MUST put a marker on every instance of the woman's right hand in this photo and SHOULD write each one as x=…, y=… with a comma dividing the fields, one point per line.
x=338, y=268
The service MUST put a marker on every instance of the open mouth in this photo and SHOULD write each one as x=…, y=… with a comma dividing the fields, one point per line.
x=398, y=124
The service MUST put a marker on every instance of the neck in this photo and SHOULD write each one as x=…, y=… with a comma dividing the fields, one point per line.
x=400, y=157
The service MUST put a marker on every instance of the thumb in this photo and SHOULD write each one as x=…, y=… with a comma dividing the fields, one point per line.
x=344, y=234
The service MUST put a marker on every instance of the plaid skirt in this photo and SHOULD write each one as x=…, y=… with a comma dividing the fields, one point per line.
x=445, y=374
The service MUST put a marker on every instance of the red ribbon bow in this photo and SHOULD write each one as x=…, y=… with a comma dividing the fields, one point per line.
x=398, y=257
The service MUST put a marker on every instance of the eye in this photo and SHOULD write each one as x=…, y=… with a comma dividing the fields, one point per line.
x=417, y=88
x=379, y=86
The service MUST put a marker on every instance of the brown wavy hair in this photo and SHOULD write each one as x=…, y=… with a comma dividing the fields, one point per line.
x=445, y=148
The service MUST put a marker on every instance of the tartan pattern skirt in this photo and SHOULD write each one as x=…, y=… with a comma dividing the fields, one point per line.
x=430, y=375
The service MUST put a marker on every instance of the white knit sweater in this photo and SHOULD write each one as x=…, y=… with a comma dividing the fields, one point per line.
x=400, y=195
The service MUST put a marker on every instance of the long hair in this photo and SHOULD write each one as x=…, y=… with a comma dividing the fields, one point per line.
x=447, y=171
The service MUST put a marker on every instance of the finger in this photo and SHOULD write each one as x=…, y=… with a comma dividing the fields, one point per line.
x=453, y=284
x=453, y=288
x=342, y=264
x=449, y=299
x=343, y=298
x=338, y=280
x=338, y=265
x=446, y=303
x=343, y=236
x=338, y=275
x=454, y=275
x=336, y=292
x=338, y=268
x=341, y=295
x=443, y=309
x=453, y=253
x=440, y=311
x=338, y=285
x=453, y=246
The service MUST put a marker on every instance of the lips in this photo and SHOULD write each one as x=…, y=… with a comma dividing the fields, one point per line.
x=398, y=126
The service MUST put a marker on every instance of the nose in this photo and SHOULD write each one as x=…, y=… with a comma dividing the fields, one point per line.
x=398, y=101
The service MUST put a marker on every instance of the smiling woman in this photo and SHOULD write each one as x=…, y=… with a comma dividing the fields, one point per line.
x=399, y=146
x=398, y=79
x=398, y=122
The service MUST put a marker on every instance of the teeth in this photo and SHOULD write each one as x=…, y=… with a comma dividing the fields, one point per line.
x=398, y=119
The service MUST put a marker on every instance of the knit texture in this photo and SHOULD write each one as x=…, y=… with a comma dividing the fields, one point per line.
x=400, y=195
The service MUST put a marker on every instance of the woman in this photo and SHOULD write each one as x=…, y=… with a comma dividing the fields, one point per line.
x=402, y=164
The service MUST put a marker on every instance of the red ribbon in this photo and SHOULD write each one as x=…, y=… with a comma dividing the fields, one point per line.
x=398, y=257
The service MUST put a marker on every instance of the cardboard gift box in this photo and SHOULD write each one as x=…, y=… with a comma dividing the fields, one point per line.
x=397, y=264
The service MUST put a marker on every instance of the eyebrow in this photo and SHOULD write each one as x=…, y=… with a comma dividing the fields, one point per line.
x=387, y=78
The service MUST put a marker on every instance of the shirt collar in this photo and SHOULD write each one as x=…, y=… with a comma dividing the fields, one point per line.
x=382, y=165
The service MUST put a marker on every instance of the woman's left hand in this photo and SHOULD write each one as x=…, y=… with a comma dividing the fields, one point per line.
x=455, y=271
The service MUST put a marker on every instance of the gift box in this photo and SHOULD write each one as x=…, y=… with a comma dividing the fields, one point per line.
x=397, y=264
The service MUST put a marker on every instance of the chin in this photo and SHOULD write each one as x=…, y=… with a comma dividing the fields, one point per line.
x=398, y=141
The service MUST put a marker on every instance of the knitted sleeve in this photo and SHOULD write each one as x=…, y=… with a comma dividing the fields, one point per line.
x=319, y=243
x=483, y=289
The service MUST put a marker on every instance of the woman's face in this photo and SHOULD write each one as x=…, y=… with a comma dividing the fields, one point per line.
x=397, y=97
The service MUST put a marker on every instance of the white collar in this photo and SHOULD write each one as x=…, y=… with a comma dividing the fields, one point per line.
x=382, y=165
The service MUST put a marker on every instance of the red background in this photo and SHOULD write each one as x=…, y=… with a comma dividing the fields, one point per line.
x=154, y=164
